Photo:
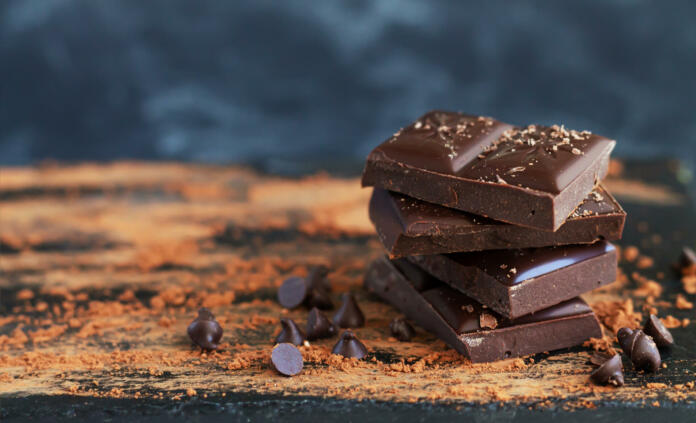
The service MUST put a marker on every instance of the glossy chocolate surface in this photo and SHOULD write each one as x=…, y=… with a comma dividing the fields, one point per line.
x=477, y=332
x=537, y=157
x=443, y=142
x=483, y=149
x=511, y=267
x=464, y=313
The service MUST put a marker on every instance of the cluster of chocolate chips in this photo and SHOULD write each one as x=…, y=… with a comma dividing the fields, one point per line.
x=641, y=347
x=314, y=292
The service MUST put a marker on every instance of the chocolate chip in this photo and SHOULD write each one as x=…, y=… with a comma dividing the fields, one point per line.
x=286, y=359
x=640, y=348
x=349, y=315
x=204, y=331
x=598, y=358
x=290, y=334
x=349, y=346
x=312, y=291
x=320, y=298
x=292, y=292
x=316, y=277
x=658, y=332
x=401, y=329
x=319, y=326
x=687, y=261
x=610, y=372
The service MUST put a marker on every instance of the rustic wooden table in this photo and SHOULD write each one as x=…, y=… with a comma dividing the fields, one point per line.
x=103, y=266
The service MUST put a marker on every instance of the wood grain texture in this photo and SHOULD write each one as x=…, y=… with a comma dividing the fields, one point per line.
x=104, y=266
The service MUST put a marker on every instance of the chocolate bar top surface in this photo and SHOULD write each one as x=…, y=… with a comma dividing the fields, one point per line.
x=465, y=314
x=484, y=149
x=420, y=218
x=511, y=267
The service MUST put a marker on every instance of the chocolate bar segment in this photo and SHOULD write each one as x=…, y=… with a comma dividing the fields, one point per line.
x=407, y=226
x=472, y=330
x=534, y=176
x=518, y=282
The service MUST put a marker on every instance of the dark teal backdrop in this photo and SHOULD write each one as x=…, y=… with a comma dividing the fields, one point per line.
x=292, y=86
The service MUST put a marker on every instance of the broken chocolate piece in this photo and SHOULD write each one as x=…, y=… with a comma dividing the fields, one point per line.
x=598, y=358
x=401, y=329
x=286, y=359
x=518, y=282
x=640, y=348
x=319, y=326
x=349, y=346
x=349, y=314
x=456, y=318
x=290, y=334
x=537, y=175
x=658, y=332
x=610, y=372
x=205, y=331
x=407, y=226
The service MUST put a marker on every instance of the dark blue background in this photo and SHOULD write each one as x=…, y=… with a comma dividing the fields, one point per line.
x=292, y=86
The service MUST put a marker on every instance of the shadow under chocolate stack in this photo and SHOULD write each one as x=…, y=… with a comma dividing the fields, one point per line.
x=493, y=231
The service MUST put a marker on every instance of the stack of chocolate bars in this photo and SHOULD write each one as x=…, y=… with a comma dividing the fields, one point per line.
x=493, y=231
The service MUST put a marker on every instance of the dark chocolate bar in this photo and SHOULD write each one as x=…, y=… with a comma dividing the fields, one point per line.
x=407, y=226
x=523, y=281
x=474, y=331
x=534, y=176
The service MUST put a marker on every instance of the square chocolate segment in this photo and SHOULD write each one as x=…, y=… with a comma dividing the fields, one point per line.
x=474, y=331
x=533, y=176
x=407, y=226
x=522, y=281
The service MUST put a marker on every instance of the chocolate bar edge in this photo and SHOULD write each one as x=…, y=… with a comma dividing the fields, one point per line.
x=580, y=230
x=542, y=210
x=526, y=297
x=384, y=280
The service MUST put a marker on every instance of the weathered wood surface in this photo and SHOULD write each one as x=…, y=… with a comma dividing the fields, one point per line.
x=103, y=266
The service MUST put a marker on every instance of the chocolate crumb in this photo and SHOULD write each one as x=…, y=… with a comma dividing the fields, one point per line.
x=488, y=321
